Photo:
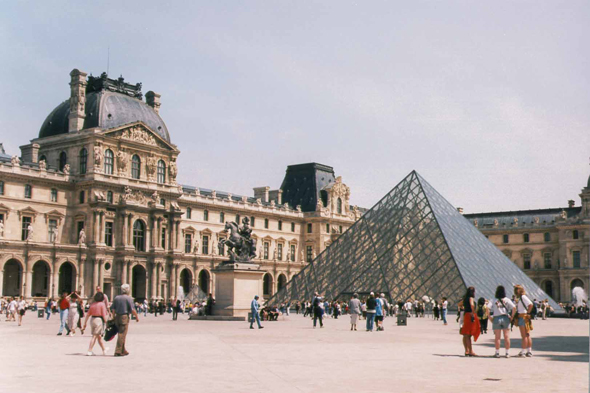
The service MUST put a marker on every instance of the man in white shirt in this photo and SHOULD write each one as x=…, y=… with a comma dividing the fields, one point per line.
x=445, y=306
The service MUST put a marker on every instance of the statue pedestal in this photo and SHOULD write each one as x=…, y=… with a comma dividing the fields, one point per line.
x=235, y=288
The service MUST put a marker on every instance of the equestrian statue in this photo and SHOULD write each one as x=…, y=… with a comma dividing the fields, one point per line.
x=241, y=247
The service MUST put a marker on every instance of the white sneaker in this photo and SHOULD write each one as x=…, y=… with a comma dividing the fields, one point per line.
x=497, y=355
x=106, y=349
x=529, y=354
x=507, y=355
x=521, y=354
x=90, y=353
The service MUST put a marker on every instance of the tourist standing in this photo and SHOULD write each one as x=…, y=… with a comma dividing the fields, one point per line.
x=210, y=303
x=121, y=308
x=524, y=306
x=48, y=307
x=354, y=306
x=379, y=313
x=483, y=315
x=254, y=307
x=371, y=305
x=22, y=309
x=64, y=307
x=98, y=312
x=501, y=313
x=317, y=310
x=444, y=308
x=470, y=326
x=175, y=310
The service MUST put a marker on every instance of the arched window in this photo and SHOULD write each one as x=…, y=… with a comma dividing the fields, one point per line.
x=339, y=206
x=83, y=160
x=267, y=285
x=109, y=159
x=139, y=235
x=109, y=196
x=63, y=160
x=135, y=167
x=161, y=172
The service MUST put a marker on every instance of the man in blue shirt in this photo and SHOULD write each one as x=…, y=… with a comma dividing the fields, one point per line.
x=254, y=310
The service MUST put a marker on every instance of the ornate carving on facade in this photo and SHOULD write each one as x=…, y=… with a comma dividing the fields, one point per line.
x=122, y=161
x=43, y=165
x=475, y=222
x=15, y=161
x=172, y=171
x=213, y=194
x=82, y=237
x=536, y=220
x=151, y=167
x=138, y=134
x=103, y=82
x=155, y=197
x=98, y=156
x=496, y=223
x=66, y=169
x=133, y=197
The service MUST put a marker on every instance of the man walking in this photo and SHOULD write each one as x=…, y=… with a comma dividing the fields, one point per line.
x=64, y=306
x=445, y=305
x=317, y=310
x=254, y=306
x=121, y=308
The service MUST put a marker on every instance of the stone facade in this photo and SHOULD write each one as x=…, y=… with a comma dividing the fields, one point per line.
x=550, y=245
x=100, y=206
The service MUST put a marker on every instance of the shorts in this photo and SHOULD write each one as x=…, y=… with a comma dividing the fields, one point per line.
x=521, y=322
x=96, y=326
x=501, y=322
x=21, y=312
x=379, y=318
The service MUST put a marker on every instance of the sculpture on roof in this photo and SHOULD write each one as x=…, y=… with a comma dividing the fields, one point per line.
x=241, y=247
x=43, y=165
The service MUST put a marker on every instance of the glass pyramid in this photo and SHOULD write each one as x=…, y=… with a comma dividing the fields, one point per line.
x=412, y=243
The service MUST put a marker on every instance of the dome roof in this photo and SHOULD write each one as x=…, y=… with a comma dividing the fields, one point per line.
x=105, y=109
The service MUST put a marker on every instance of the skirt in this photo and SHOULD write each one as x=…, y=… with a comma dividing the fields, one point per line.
x=353, y=318
x=96, y=326
x=471, y=328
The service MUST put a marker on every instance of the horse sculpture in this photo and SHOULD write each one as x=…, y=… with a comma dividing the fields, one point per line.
x=240, y=246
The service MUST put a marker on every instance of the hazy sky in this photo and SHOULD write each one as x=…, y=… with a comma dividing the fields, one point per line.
x=488, y=101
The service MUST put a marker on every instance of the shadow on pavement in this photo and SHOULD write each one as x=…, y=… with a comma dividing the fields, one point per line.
x=577, y=346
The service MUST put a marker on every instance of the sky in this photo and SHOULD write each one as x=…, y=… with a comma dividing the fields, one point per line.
x=488, y=101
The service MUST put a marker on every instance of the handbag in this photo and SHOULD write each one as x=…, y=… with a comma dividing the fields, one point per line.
x=111, y=331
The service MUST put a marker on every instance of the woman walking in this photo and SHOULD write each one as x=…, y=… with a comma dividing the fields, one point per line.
x=524, y=306
x=501, y=314
x=73, y=315
x=470, y=322
x=98, y=312
x=22, y=309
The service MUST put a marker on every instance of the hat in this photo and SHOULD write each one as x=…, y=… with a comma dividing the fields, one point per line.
x=255, y=296
x=372, y=294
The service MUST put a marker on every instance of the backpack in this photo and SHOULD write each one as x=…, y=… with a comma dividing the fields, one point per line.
x=534, y=311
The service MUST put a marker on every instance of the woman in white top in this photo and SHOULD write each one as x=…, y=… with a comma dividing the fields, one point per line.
x=502, y=313
x=524, y=306
x=22, y=308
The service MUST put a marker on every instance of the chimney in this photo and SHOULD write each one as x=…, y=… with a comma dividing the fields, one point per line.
x=571, y=203
x=261, y=193
x=77, y=100
x=30, y=153
x=153, y=100
x=460, y=210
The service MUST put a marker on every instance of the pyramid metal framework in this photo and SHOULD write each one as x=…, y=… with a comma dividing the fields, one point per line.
x=412, y=243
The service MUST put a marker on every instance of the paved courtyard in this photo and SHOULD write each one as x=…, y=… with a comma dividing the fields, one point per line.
x=289, y=356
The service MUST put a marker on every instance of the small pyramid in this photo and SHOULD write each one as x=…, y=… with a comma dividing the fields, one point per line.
x=412, y=243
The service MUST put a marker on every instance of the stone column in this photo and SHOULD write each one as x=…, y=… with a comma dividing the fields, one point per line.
x=177, y=236
x=95, y=274
x=81, y=280
x=130, y=230
x=49, y=285
x=124, y=233
x=159, y=279
x=124, y=272
x=96, y=227
x=101, y=274
x=102, y=225
x=2, y=281
x=129, y=277
x=55, y=288
x=77, y=112
x=29, y=283
x=154, y=279
x=159, y=233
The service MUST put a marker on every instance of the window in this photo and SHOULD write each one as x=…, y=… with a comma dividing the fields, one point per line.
x=135, y=167
x=189, y=213
x=238, y=219
x=547, y=237
x=280, y=225
x=327, y=228
x=280, y=251
x=309, y=253
x=28, y=191
x=266, y=246
x=547, y=260
x=83, y=160
x=26, y=221
x=575, y=234
x=292, y=227
x=339, y=206
x=339, y=228
x=53, y=195
x=109, y=160
x=266, y=223
x=52, y=231
x=109, y=196
x=205, y=215
x=309, y=228
x=526, y=258
x=81, y=197
x=576, y=258
x=162, y=202
x=163, y=239
x=79, y=226
x=139, y=235
x=161, y=172
x=221, y=217
x=221, y=248
x=292, y=253
x=108, y=233
x=505, y=239
x=525, y=238
x=188, y=242
x=252, y=221
x=205, y=245
x=63, y=160
x=1, y=188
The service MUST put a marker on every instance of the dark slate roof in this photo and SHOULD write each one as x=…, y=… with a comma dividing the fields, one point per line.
x=3, y=156
x=224, y=195
x=302, y=184
x=106, y=109
x=527, y=217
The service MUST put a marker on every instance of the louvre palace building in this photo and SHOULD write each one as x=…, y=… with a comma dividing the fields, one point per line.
x=94, y=201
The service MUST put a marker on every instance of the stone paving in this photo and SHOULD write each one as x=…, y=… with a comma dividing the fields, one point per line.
x=289, y=356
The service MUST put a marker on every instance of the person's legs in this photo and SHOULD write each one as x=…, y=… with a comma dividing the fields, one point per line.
x=444, y=316
x=506, y=339
x=101, y=343
x=258, y=320
x=92, y=342
x=525, y=340
x=122, y=322
x=497, y=339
